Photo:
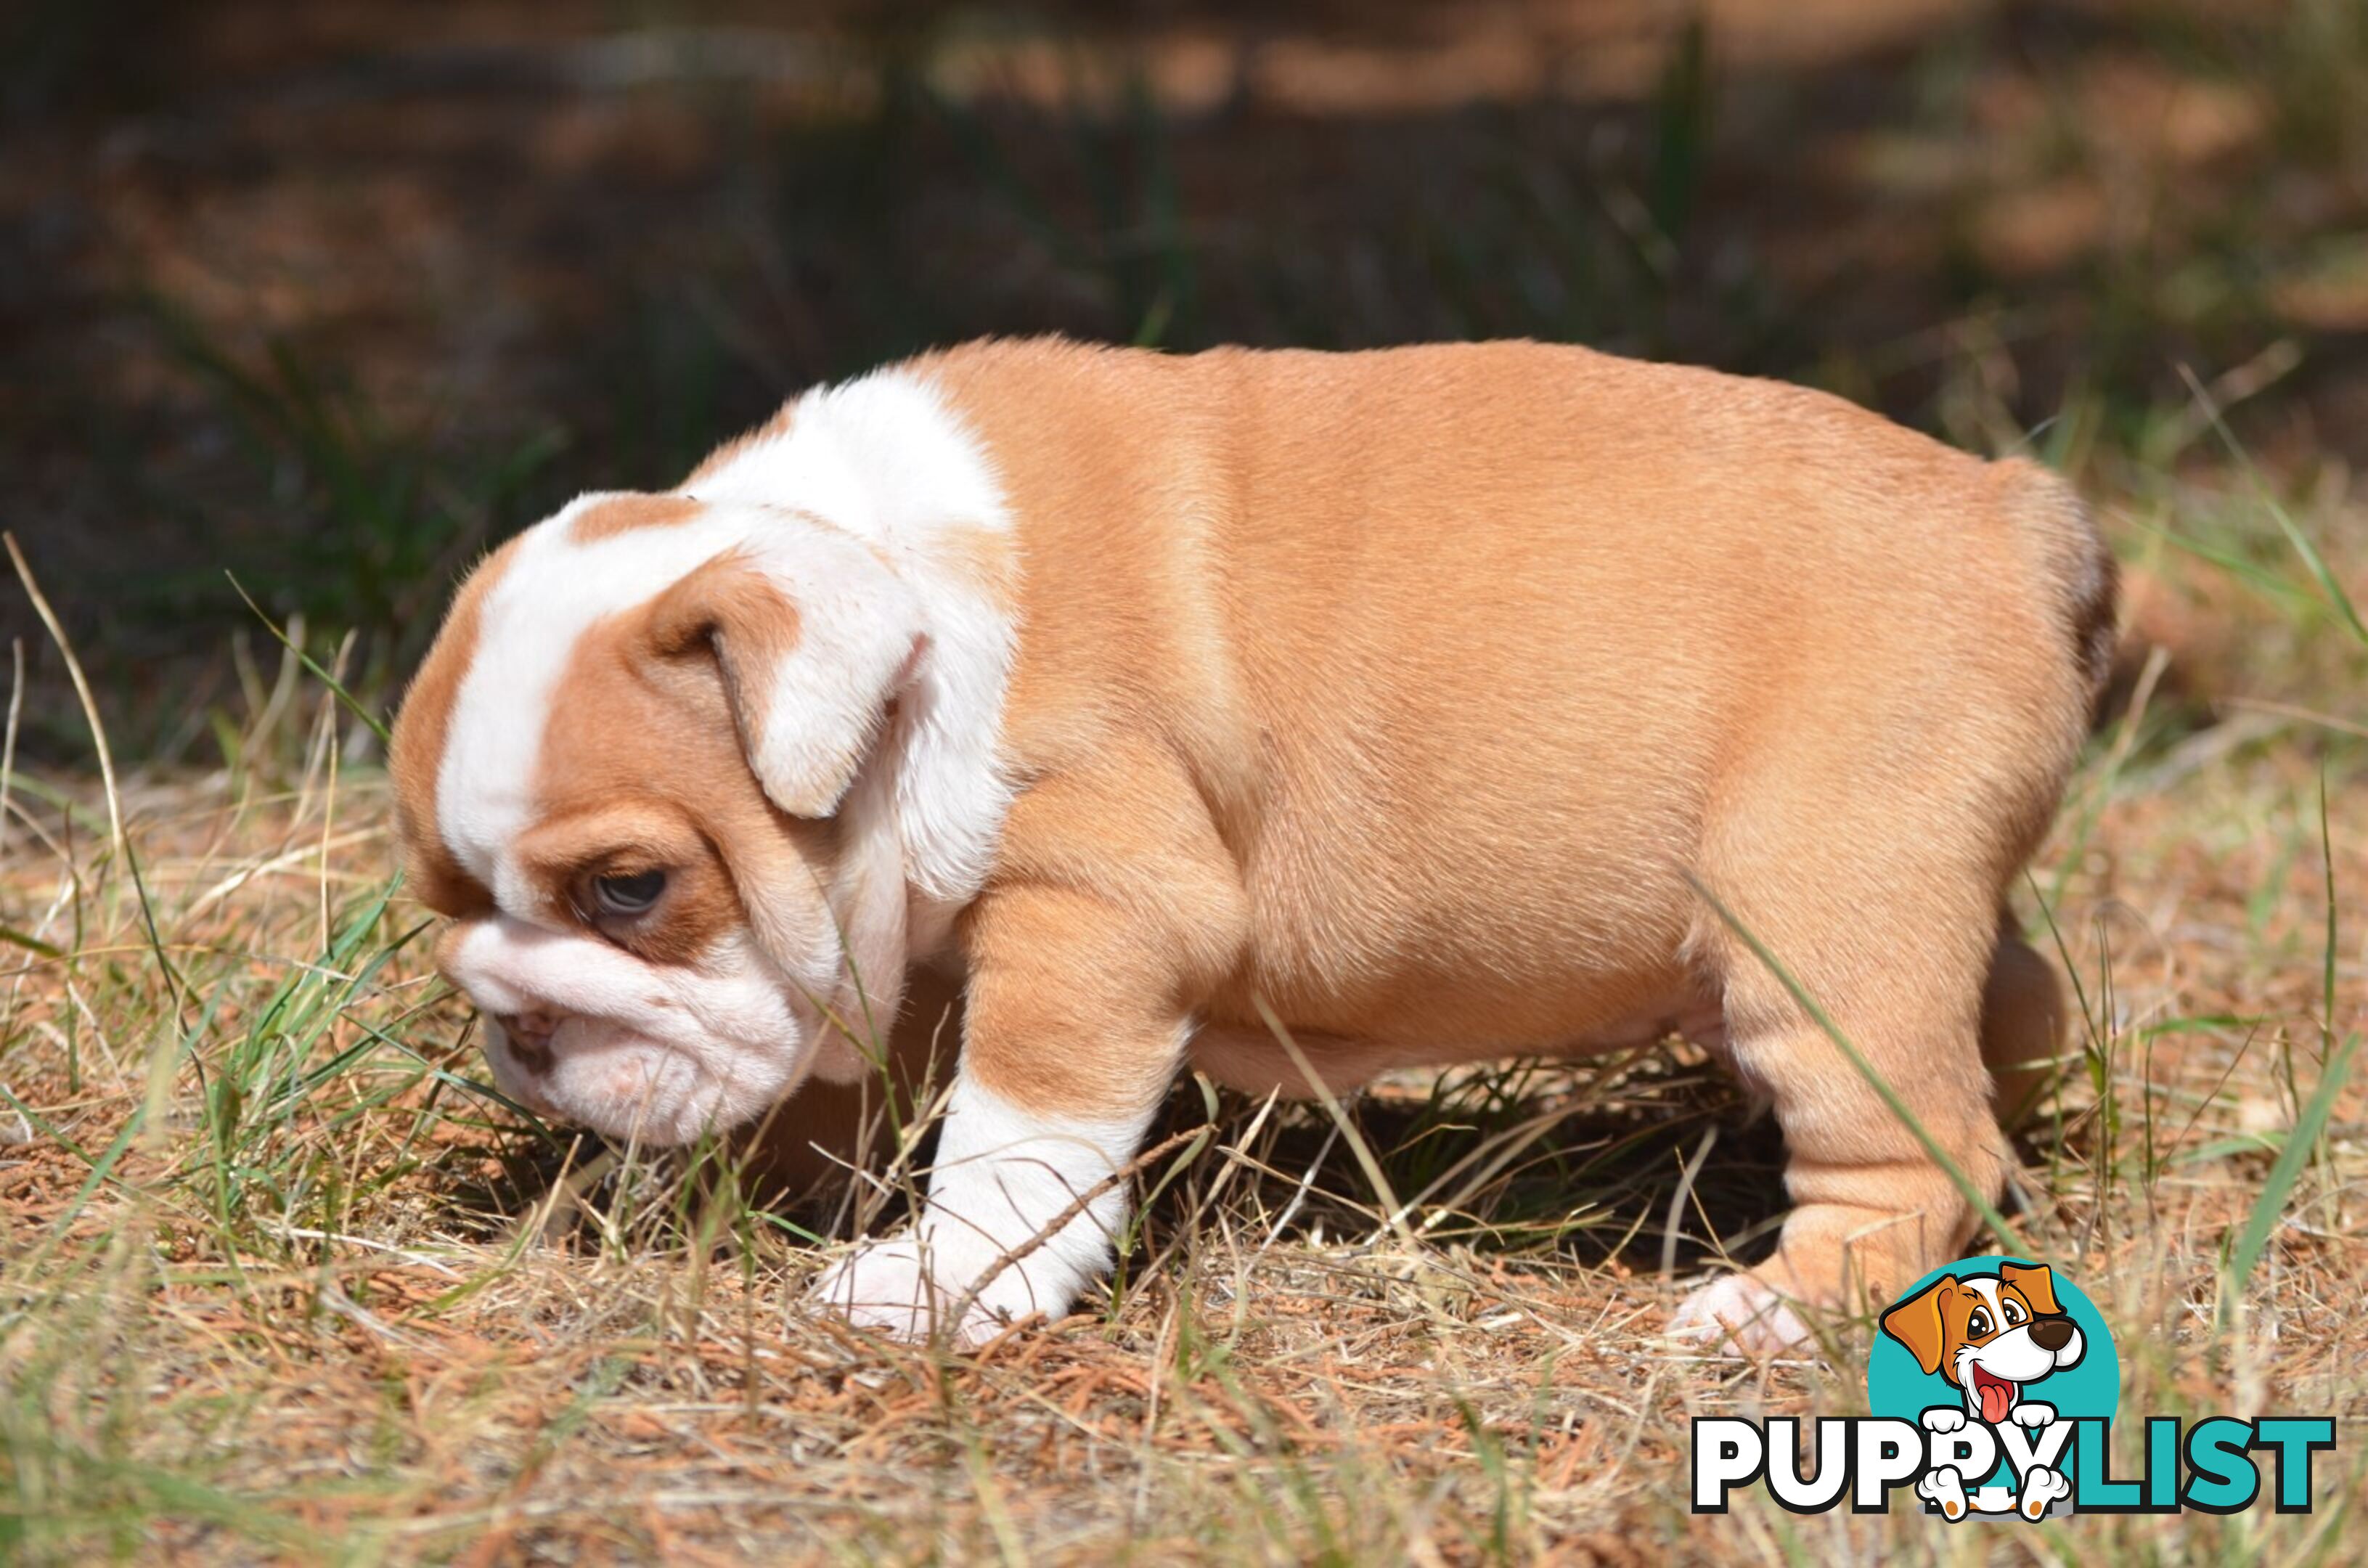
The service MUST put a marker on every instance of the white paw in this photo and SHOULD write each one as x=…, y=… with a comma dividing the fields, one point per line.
x=884, y=1287
x=1737, y=1312
x=909, y=1287
x=2041, y=1487
x=1945, y=1487
x=1944, y=1418
x=2031, y=1413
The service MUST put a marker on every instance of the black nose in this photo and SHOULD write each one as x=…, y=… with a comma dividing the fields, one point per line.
x=2051, y=1334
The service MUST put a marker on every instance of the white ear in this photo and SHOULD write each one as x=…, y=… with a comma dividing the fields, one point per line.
x=811, y=650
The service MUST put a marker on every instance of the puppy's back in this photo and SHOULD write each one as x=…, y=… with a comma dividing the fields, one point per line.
x=1450, y=538
x=1463, y=642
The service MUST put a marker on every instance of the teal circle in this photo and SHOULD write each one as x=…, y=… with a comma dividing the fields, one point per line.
x=1897, y=1385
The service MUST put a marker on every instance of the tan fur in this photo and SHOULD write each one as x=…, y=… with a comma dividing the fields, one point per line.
x=646, y=770
x=727, y=609
x=1440, y=668
x=649, y=772
x=618, y=513
x=1409, y=693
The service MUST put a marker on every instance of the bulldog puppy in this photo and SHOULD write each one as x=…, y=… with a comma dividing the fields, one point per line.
x=1413, y=696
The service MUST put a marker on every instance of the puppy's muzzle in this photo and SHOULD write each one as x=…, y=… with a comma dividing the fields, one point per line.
x=2051, y=1335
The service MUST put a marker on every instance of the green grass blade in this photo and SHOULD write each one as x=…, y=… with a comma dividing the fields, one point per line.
x=2313, y=561
x=32, y=944
x=353, y=704
x=2308, y=1123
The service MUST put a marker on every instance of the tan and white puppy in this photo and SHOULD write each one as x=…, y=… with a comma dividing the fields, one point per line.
x=1409, y=694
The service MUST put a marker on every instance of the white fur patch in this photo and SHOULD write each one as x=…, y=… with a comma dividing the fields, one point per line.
x=881, y=457
x=658, y=1053
x=1004, y=1176
x=1738, y=1312
x=884, y=459
x=1944, y=1486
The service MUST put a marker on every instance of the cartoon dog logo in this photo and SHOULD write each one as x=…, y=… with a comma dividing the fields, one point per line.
x=1991, y=1336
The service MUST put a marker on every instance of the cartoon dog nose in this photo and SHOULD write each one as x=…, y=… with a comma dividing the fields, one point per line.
x=530, y=1037
x=2051, y=1334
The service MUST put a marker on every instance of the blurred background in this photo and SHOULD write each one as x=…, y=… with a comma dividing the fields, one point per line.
x=327, y=297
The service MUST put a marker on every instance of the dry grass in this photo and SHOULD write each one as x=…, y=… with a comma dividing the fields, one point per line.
x=281, y=1280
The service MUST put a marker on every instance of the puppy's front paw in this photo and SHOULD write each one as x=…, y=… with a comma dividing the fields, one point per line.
x=2031, y=1413
x=909, y=1288
x=1943, y=1418
x=1739, y=1312
x=884, y=1287
x=2041, y=1489
x=1945, y=1487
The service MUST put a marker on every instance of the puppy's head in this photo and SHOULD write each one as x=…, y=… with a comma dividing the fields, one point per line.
x=628, y=772
x=1988, y=1335
x=691, y=773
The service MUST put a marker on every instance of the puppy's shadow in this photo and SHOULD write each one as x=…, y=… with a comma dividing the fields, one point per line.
x=1648, y=1161
x=1653, y=1160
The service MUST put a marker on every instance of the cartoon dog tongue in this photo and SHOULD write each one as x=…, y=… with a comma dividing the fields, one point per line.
x=1995, y=1393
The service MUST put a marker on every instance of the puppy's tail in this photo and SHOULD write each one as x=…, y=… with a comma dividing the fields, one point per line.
x=2061, y=534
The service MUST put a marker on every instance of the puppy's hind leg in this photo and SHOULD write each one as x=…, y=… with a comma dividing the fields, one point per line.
x=1895, y=945
x=2024, y=1024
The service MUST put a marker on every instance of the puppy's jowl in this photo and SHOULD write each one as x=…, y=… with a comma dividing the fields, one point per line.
x=1413, y=694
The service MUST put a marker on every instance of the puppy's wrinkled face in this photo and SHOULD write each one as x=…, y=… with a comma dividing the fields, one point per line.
x=680, y=767
x=657, y=946
x=621, y=975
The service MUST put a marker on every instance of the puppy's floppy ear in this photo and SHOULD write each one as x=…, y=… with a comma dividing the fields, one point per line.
x=2037, y=1283
x=811, y=652
x=1915, y=1322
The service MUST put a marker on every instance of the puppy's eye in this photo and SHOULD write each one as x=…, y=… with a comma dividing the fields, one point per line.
x=1979, y=1325
x=628, y=895
x=2014, y=1313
